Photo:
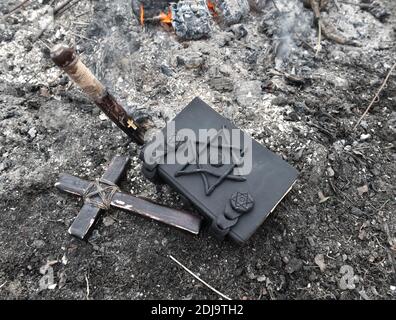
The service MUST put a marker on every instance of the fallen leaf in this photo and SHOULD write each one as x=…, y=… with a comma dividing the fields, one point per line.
x=322, y=198
x=362, y=235
x=362, y=190
x=44, y=92
x=52, y=286
x=108, y=221
x=62, y=280
x=347, y=280
x=319, y=260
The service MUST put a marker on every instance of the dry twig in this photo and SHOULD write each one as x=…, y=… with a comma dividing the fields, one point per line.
x=59, y=9
x=325, y=29
x=87, y=281
x=17, y=7
x=376, y=97
x=199, y=279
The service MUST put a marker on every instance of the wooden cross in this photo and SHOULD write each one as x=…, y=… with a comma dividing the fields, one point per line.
x=104, y=193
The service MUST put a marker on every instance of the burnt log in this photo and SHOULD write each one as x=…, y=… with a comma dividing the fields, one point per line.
x=151, y=8
x=191, y=19
x=258, y=5
x=231, y=11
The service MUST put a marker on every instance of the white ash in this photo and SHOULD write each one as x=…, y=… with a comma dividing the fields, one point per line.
x=355, y=24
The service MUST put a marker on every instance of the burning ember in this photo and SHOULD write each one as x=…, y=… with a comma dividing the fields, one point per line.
x=162, y=17
x=141, y=14
x=190, y=19
x=212, y=8
x=166, y=18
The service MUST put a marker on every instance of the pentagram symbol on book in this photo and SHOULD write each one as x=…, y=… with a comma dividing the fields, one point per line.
x=214, y=167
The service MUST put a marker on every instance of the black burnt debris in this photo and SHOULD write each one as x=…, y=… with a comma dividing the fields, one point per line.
x=276, y=76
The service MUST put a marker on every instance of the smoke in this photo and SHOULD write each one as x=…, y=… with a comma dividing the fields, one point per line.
x=286, y=21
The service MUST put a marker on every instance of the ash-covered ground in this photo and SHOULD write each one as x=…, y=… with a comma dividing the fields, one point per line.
x=333, y=236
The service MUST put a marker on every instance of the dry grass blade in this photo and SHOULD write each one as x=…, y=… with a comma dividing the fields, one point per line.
x=199, y=279
x=376, y=97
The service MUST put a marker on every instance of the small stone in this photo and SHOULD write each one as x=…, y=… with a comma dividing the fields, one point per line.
x=365, y=137
x=294, y=265
x=313, y=276
x=64, y=260
x=339, y=82
x=337, y=55
x=38, y=244
x=95, y=235
x=239, y=31
x=362, y=235
x=191, y=60
x=311, y=241
x=319, y=260
x=221, y=84
x=330, y=172
x=108, y=221
x=102, y=117
x=44, y=92
x=364, y=124
x=248, y=93
x=166, y=70
x=280, y=101
x=356, y=211
x=261, y=278
x=312, y=210
x=347, y=280
x=3, y=166
x=32, y=132
x=250, y=274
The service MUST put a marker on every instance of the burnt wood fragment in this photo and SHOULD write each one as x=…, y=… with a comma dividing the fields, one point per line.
x=151, y=8
x=191, y=19
x=231, y=11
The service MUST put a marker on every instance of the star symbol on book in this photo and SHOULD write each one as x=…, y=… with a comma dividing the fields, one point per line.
x=242, y=202
x=205, y=171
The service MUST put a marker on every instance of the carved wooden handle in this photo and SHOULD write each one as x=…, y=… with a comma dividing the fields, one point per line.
x=67, y=59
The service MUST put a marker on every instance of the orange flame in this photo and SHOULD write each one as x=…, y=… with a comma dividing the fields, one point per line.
x=166, y=17
x=212, y=8
x=142, y=15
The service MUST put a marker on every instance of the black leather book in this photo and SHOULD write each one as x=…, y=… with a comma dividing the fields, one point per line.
x=238, y=186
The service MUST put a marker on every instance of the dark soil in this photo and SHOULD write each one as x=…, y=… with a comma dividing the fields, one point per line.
x=340, y=213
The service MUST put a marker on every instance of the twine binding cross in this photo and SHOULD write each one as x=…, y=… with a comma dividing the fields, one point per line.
x=104, y=189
